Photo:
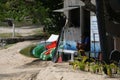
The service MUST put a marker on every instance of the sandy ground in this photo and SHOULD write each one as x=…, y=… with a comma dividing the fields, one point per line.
x=14, y=66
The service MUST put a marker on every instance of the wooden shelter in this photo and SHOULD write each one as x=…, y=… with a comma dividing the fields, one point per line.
x=78, y=13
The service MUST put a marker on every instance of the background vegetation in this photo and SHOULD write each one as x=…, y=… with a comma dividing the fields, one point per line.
x=33, y=11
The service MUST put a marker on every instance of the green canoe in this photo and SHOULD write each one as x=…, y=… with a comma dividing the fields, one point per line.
x=38, y=50
x=27, y=51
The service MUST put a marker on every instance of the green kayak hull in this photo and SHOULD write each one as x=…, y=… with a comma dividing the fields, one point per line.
x=27, y=51
x=38, y=50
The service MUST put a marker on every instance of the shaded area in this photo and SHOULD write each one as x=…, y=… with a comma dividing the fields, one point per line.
x=36, y=64
x=25, y=75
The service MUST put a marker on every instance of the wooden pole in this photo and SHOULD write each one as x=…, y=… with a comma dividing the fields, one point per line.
x=101, y=28
x=13, y=35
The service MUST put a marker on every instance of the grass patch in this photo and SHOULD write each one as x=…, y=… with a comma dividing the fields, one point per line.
x=7, y=35
x=17, y=24
x=39, y=32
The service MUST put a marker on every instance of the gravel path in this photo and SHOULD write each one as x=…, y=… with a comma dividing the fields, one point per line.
x=24, y=31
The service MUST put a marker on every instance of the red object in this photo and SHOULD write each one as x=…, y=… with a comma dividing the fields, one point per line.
x=51, y=45
x=60, y=59
x=47, y=52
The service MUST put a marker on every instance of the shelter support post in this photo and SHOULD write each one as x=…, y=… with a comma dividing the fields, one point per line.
x=102, y=29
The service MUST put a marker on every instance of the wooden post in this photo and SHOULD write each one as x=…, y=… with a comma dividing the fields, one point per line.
x=101, y=28
x=13, y=34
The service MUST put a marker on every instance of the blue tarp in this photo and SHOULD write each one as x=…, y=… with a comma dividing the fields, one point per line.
x=69, y=45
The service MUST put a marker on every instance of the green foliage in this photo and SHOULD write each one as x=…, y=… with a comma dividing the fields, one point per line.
x=95, y=68
x=75, y=64
x=82, y=66
x=36, y=11
x=13, y=9
x=20, y=10
x=90, y=64
x=55, y=21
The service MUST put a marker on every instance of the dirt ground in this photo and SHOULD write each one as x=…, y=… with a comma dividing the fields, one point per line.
x=14, y=66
